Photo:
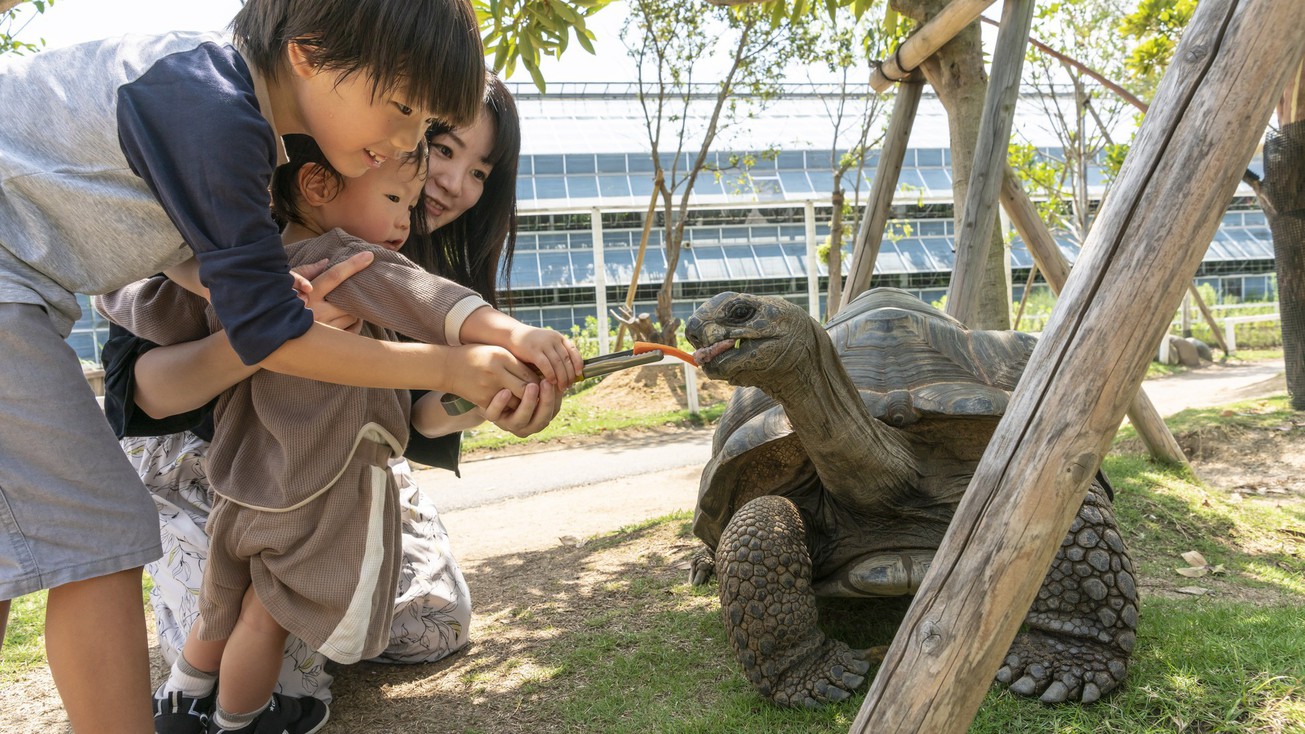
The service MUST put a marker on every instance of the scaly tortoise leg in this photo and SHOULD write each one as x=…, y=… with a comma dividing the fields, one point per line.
x=1081, y=629
x=770, y=610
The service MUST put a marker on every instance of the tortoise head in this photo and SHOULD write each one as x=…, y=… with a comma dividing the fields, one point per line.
x=742, y=338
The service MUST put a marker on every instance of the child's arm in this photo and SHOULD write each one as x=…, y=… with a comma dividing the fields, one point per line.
x=156, y=309
x=396, y=294
x=553, y=354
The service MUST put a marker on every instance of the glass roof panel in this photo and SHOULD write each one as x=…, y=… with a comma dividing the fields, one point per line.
x=550, y=188
x=889, y=260
x=614, y=186
x=580, y=163
x=797, y=258
x=551, y=164
x=525, y=270
x=582, y=267
x=555, y=269
x=619, y=265
x=772, y=261
x=795, y=182
x=741, y=262
x=614, y=163
x=582, y=187
x=525, y=188
x=937, y=179
x=711, y=262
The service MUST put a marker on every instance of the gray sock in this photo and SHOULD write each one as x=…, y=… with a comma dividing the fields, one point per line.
x=188, y=679
x=228, y=720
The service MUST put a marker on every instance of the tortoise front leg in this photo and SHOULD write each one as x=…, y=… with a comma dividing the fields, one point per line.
x=770, y=610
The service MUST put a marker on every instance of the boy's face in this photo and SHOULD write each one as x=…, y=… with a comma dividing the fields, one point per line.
x=356, y=131
x=376, y=207
x=458, y=171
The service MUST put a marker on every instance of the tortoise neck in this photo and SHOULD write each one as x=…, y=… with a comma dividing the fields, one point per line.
x=845, y=442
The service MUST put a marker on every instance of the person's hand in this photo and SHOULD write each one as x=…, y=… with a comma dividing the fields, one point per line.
x=552, y=354
x=479, y=372
x=315, y=281
x=536, y=409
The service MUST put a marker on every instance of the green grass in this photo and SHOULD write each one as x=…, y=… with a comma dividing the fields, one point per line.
x=649, y=655
x=575, y=420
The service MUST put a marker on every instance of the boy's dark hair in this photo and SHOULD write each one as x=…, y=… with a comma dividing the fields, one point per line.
x=428, y=49
x=302, y=150
x=476, y=249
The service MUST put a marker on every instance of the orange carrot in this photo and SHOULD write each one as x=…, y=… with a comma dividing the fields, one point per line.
x=641, y=347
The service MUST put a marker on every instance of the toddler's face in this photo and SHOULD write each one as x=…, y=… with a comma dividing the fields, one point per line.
x=458, y=171
x=376, y=206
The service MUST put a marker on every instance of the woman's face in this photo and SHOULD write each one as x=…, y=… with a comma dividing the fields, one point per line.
x=458, y=171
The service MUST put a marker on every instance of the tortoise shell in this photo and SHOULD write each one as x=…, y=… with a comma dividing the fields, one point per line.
x=916, y=369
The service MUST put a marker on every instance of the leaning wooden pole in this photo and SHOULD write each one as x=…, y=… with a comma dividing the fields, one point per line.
x=990, y=153
x=1148, y=422
x=638, y=260
x=925, y=40
x=1147, y=242
x=879, y=204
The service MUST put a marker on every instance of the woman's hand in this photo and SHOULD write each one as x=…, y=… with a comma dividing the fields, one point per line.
x=315, y=282
x=537, y=408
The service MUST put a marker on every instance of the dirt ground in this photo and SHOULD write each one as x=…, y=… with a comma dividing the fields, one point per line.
x=525, y=601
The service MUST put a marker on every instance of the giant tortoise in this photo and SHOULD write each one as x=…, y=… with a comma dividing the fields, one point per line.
x=836, y=470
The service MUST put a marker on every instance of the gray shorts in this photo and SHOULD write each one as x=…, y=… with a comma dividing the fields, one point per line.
x=71, y=506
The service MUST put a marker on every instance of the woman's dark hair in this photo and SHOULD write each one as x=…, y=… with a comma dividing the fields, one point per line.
x=429, y=49
x=477, y=248
x=302, y=150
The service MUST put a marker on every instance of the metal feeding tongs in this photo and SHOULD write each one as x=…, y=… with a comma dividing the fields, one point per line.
x=604, y=364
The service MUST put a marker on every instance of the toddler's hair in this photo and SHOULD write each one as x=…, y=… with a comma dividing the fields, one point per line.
x=427, y=50
x=301, y=151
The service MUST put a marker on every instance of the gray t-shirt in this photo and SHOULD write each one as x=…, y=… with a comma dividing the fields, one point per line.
x=118, y=158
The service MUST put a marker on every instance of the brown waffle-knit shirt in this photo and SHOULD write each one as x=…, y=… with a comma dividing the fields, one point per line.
x=280, y=441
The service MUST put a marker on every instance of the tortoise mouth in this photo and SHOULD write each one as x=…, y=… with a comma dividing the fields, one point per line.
x=708, y=353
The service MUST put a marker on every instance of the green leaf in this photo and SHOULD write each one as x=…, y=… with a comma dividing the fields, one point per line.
x=584, y=38
x=534, y=74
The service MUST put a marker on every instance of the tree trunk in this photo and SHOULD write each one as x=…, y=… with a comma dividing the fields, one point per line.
x=835, y=258
x=1284, y=189
x=957, y=74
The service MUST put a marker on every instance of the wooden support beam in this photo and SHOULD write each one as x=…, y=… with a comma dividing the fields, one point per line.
x=1159, y=440
x=880, y=202
x=990, y=154
x=1209, y=317
x=638, y=260
x=925, y=40
x=1148, y=240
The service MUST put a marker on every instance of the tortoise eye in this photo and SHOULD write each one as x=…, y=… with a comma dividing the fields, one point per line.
x=741, y=311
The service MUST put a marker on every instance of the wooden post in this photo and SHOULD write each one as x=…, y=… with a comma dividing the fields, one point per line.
x=927, y=38
x=638, y=258
x=879, y=204
x=1024, y=297
x=1146, y=244
x=975, y=225
x=1159, y=440
x=1209, y=317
